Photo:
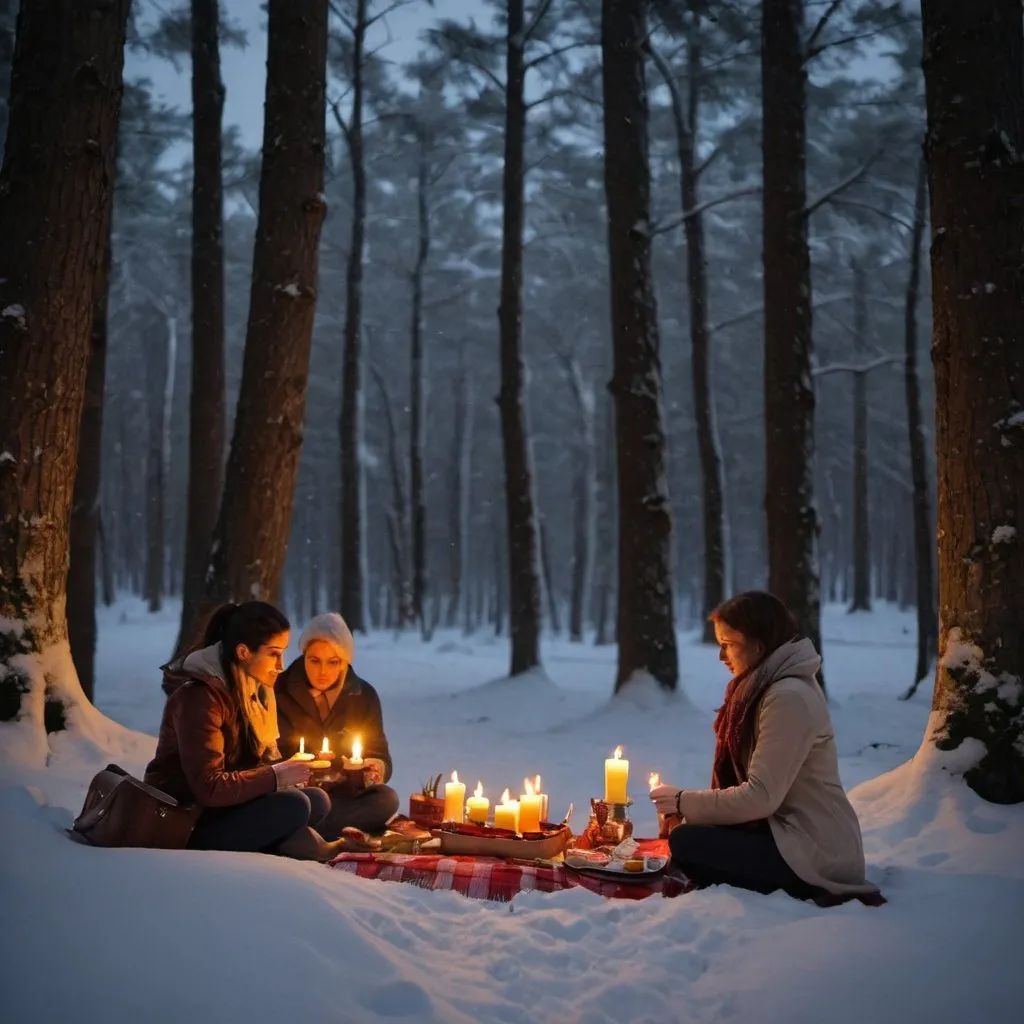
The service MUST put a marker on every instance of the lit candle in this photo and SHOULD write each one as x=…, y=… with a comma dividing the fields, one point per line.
x=326, y=754
x=506, y=814
x=454, y=799
x=529, y=809
x=616, y=778
x=543, y=798
x=653, y=780
x=302, y=755
x=357, y=753
x=478, y=805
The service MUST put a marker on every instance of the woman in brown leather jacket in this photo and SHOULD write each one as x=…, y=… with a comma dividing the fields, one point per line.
x=218, y=741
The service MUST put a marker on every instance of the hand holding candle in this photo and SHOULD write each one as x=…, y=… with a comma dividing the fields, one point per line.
x=478, y=805
x=529, y=809
x=454, y=799
x=616, y=778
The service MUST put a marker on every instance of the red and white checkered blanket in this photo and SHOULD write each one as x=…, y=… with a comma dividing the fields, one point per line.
x=490, y=878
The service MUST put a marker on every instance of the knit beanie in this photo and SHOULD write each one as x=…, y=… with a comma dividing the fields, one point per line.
x=331, y=628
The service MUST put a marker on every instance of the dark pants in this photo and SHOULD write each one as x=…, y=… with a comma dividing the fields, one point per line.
x=745, y=858
x=259, y=825
x=369, y=811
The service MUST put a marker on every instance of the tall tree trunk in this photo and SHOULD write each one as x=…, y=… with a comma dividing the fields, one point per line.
x=85, y=508
x=973, y=69
x=927, y=625
x=353, y=586
x=548, y=577
x=646, y=626
x=398, y=518
x=459, y=502
x=861, y=505
x=520, y=506
x=160, y=360
x=417, y=398
x=207, y=429
x=259, y=489
x=106, y=562
x=584, y=497
x=8, y=17
x=606, y=532
x=792, y=519
x=712, y=489
x=55, y=192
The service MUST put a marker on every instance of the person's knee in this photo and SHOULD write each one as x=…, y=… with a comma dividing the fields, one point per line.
x=388, y=801
x=319, y=804
x=684, y=842
x=292, y=809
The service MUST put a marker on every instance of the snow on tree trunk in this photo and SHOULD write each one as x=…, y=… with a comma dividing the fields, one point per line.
x=352, y=597
x=973, y=69
x=85, y=508
x=792, y=519
x=207, y=428
x=259, y=488
x=55, y=194
x=861, y=526
x=924, y=551
x=520, y=504
x=646, y=629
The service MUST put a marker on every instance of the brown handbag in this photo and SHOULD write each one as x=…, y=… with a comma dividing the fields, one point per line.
x=120, y=810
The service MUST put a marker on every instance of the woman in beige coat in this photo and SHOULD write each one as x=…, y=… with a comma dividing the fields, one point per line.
x=776, y=815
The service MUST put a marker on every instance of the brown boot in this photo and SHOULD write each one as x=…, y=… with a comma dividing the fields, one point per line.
x=305, y=844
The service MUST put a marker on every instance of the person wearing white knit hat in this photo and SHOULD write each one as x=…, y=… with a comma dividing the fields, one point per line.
x=320, y=696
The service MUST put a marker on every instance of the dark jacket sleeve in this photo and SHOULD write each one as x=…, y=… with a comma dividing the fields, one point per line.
x=198, y=722
x=375, y=742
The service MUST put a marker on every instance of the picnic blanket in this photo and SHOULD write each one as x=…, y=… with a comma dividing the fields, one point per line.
x=491, y=878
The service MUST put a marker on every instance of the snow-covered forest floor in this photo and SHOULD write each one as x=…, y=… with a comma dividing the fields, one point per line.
x=122, y=935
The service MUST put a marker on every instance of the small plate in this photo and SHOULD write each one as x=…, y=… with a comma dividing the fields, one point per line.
x=653, y=867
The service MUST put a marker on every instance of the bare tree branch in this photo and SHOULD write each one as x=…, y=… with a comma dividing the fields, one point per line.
x=874, y=209
x=461, y=53
x=820, y=27
x=710, y=204
x=557, y=52
x=538, y=17
x=873, y=364
x=850, y=179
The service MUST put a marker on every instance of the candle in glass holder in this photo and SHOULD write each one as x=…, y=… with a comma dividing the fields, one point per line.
x=616, y=778
x=529, y=809
x=478, y=805
x=506, y=814
x=302, y=755
x=543, y=798
x=454, y=799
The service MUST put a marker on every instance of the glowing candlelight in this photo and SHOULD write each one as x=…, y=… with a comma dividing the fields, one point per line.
x=543, y=798
x=506, y=814
x=357, y=752
x=454, y=799
x=302, y=755
x=616, y=778
x=478, y=805
x=653, y=780
x=529, y=809
x=326, y=754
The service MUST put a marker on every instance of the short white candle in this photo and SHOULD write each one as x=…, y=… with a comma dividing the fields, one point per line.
x=543, y=798
x=357, y=753
x=302, y=755
x=478, y=805
x=454, y=799
x=506, y=814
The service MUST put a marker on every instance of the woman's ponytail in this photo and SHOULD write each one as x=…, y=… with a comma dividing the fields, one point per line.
x=217, y=624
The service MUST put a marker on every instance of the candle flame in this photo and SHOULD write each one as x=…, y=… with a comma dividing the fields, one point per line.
x=505, y=797
x=357, y=749
x=325, y=748
x=528, y=787
x=618, y=753
x=654, y=780
x=479, y=791
x=536, y=784
x=302, y=744
x=455, y=776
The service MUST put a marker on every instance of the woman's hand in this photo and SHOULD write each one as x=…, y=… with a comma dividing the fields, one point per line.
x=374, y=771
x=666, y=799
x=291, y=773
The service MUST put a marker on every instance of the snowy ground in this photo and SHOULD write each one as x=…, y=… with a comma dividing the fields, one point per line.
x=114, y=936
